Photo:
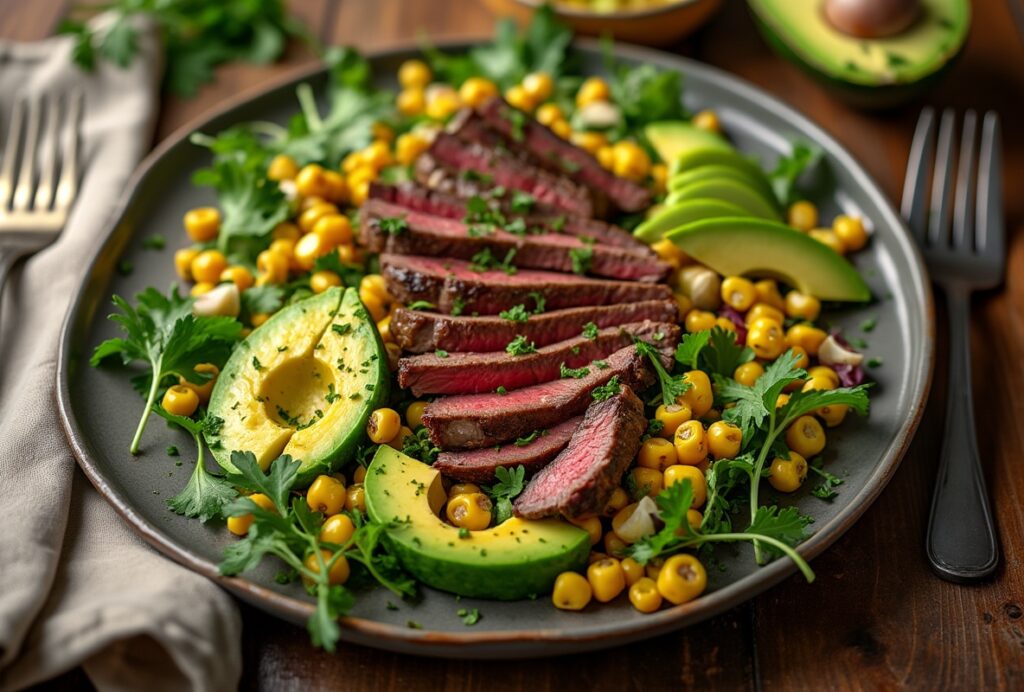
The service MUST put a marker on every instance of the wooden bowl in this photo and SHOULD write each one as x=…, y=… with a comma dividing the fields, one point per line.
x=656, y=25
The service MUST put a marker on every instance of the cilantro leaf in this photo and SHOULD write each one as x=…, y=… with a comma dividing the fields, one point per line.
x=672, y=387
x=163, y=333
x=205, y=495
x=786, y=525
x=590, y=331
x=581, y=258
x=724, y=353
x=689, y=349
x=606, y=391
x=276, y=484
x=574, y=373
x=673, y=503
x=788, y=169
x=801, y=403
x=519, y=346
x=753, y=404
x=510, y=483
x=516, y=313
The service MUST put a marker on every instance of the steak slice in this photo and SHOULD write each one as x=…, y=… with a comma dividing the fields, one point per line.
x=542, y=143
x=452, y=284
x=437, y=236
x=536, y=215
x=473, y=373
x=479, y=465
x=512, y=173
x=423, y=332
x=472, y=421
x=583, y=476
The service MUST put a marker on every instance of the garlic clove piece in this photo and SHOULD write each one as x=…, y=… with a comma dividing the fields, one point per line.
x=831, y=352
x=641, y=522
x=223, y=300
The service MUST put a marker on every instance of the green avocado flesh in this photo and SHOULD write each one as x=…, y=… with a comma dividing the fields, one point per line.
x=801, y=30
x=759, y=183
x=673, y=138
x=671, y=218
x=304, y=383
x=726, y=190
x=734, y=247
x=516, y=559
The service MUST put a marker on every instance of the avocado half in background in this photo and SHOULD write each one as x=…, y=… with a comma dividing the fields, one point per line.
x=872, y=53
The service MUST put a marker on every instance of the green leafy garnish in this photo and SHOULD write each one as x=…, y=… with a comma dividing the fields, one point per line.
x=516, y=313
x=581, y=258
x=393, y=225
x=163, y=333
x=485, y=261
x=205, y=495
x=607, y=390
x=590, y=331
x=510, y=483
x=715, y=350
x=291, y=532
x=519, y=346
x=788, y=170
x=574, y=373
x=672, y=387
x=469, y=616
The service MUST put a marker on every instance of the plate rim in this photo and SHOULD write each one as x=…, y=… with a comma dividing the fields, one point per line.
x=519, y=642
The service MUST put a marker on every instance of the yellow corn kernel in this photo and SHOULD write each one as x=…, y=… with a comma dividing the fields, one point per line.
x=850, y=230
x=691, y=443
x=273, y=266
x=326, y=495
x=764, y=311
x=606, y=578
x=802, y=215
x=538, y=86
x=672, y=416
x=682, y=579
x=409, y=146
x=589, y=141
x=518, y=98
x=787, y=475
x=748, y=373
x=571, y=591
x=383, y=425
x=337, y=573
x=208, y=265
x=180, y=400
x=806, y=437
x=647, y=481
x=414, y=74
x=698, y=396
x=183, y=262
x=238, y=275
x=337, y=529
x=282, y=167
x=411, y=101
x=768, y=293
x=240, y=525
x=414, y=414
x=469, y=511
x=656, y=453
x=631, y=161
x=549, y=113
x=322, y=280
x=476, y=91
x=707, y=120
x=808, y=337
x=592, y=90
x=802, y=306
x=699, y=320
x=202, y=224
x=681, y=472
x=618, y=500
x=592, y=525
x=828, y=238
x=738, y=293
x=632, y=570
x=309, y=217
x=355, y=498
x=724, y=440
x=766, y=339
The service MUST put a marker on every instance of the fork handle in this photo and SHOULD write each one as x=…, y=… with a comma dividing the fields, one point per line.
x=961, y=541
x=9, y=254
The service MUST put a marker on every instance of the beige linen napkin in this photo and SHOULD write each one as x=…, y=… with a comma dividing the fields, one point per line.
x=77, y=587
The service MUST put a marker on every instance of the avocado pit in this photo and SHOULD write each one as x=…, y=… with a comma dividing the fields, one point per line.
x=872, y=18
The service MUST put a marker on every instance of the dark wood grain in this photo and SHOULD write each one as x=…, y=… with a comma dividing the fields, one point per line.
x=876, y=618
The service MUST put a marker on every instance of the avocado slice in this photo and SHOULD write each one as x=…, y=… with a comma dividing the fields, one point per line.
x=688, y=211
x=516, y=559
x=304, y=384
x=719, y=170
x=734, y=247
x=878, y=71
x=726, y=190
x=673, y=138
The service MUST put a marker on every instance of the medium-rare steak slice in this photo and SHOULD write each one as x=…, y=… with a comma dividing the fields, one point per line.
x=512, y=173
x=583, y=476
x=542, y=143
x=436, y=236
x=472, y=373
x=472, y=421
x=536, y=215
x=452, y=284
x=423, y=332
x=479, y=465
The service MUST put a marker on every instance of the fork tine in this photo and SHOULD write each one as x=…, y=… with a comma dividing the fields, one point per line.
x=49, y=152
x=942, y=181
x=915, y=188
x=26, y=176
x=68, y=184
x=990, y=230
x=11, y=153
x=963, y=204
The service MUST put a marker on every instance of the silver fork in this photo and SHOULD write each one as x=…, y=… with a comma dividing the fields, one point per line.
x=963, y=256
x=34, y=206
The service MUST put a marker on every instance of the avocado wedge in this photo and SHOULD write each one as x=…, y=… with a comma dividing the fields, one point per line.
x=726, y=190
x=880, y=67
x=674, y=138
x=671, y=218
x=718, y=170
x=516, y=559
x=710, y=156
x=734, y=247
x=304, y=384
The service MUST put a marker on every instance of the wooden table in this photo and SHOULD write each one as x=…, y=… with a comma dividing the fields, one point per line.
x=876, y=617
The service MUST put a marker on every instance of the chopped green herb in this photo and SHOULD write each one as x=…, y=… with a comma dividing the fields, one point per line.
x=393, y=225
x=519, y=346
x=874, y=362
x=154, y=241
x=607, y=391
x=581, y=258
x=458, y=305
x=574, y=373
x=469, y=617
x=590, y=331
x=441, y=353
x=869, y=324
x=420, y=305
x=517, y=313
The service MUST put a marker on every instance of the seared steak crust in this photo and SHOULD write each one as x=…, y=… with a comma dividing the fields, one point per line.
x=451, y=283
x=479, y=465
x=473, y=373
x=424, y=332
x=583, y=476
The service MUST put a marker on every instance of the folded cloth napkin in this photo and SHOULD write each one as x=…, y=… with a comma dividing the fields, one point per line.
x=77, y=587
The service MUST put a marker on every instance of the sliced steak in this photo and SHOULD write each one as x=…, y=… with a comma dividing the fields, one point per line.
x=583, y=476
x=452, y=284
x=511, y=172
x=423, y=332
x=472, y=421
x=479, y=465
x=436, y=236
x=536, y=215
x=473, y=373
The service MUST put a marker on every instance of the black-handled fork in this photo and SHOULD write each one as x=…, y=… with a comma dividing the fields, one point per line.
x=965, y=252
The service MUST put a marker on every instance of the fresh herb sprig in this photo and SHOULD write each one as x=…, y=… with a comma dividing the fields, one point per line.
x=672, y=386
x=291, y=533
x=162, y=333
x=511, y=482
x=205, y=495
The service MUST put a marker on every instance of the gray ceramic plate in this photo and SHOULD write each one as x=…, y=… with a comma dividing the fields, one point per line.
x=99, y=407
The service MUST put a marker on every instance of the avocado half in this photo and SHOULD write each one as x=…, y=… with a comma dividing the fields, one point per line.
x=754, y=247
x=516, y=559
x=304, y=384
x=868, y=72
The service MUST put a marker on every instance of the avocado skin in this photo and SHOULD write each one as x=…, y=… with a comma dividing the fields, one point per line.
x=432, y=551
x=868, y=97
